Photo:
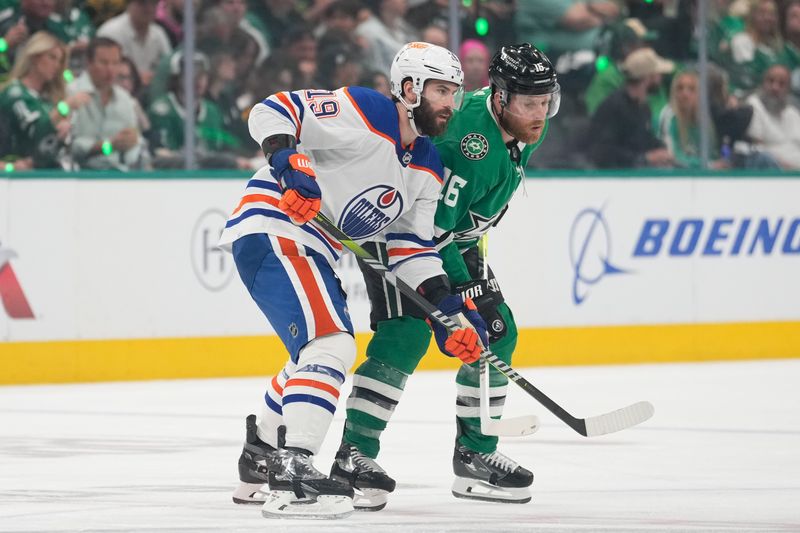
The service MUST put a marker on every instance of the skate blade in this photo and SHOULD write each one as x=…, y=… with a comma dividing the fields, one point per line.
x=249, y=493
x=475, y=489
x=284, y=504
x=370, y=500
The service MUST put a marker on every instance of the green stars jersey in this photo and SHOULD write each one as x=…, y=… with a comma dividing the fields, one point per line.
x=77, y=25
x=9, y=16
x=31, y=131
x=480, y=177
x=167, y=119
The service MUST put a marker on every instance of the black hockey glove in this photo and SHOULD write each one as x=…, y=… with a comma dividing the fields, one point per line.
x=486, y=300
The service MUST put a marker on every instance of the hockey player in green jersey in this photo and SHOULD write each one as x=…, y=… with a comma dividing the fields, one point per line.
x=484, y=150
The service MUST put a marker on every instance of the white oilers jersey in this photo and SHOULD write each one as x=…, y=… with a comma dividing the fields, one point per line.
x=373, y=188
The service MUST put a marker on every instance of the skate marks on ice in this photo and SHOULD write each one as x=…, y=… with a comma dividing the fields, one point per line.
x=161, y=456
x=430, y=516
x=52, y=447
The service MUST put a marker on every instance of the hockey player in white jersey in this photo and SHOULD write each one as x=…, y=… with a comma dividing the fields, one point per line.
x=364, y=162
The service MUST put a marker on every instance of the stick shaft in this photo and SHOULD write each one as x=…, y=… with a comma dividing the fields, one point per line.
x=578, y=425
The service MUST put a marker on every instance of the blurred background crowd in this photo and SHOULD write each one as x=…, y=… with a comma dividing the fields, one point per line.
x=98, y=84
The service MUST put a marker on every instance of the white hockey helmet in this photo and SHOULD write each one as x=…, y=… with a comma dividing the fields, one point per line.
x=422, y=62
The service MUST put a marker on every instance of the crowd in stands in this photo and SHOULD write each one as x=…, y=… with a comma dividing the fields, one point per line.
x=98, y=84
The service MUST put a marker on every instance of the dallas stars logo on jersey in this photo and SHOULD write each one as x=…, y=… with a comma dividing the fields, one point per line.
x=480, y=225
x=474, y=146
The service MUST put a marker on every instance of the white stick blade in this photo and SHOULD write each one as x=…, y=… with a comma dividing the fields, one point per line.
x=620, y=419
x=510, y=427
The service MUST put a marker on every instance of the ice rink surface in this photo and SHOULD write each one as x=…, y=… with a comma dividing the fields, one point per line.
x=722, y=453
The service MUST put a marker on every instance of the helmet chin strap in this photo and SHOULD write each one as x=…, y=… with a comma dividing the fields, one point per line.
x=500, y=116
x=513, y=149
x=410, y=113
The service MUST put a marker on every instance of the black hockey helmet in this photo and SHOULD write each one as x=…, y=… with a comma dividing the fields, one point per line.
x=524, y=69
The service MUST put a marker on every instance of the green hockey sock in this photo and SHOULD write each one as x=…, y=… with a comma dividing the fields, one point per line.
x=468, y=392
x=376, y=391
x=392, y=355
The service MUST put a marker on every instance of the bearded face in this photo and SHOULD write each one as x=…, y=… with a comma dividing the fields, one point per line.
x=774, y=104
x=431, y=121
x=525, y=130
x=523, y=116
x=774, y=91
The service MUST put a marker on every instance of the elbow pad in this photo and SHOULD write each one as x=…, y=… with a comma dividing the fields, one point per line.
x=273, y=143
x=435, y=289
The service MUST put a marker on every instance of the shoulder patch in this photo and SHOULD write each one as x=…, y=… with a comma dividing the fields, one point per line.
x=14, y=91
x=474, y=146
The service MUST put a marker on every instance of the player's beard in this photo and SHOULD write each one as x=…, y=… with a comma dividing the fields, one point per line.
x=428, y=121
x=525, y=131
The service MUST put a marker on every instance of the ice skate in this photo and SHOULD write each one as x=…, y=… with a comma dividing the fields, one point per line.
x=254, y=464
x=489, y=477
x=298, y=490
x=369, y=481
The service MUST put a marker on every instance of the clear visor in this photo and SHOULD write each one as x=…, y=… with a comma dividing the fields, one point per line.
x=534, y=106
x=444, y=94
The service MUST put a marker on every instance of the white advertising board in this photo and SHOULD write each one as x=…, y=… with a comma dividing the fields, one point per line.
x=126, y=259
x=136, y=258
x=651, y=251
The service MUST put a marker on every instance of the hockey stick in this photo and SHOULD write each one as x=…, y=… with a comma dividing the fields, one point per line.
x=504, y=427
x=588, y=427
x=516, y=427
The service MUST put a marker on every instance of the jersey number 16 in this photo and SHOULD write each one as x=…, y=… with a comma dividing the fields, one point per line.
x=453, y=186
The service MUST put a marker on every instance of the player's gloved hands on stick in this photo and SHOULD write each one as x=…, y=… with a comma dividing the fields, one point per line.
x=301, y=194
x=466, y=342
x=486, y=299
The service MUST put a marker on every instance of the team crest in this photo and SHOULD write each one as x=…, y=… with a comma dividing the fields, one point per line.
x=474, y=146
x=371, y=211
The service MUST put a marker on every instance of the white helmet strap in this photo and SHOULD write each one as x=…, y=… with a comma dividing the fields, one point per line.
x=410, y=111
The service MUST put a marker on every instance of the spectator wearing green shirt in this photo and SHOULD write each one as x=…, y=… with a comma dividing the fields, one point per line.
x=77, y=25
x=18, y=22
x=791, y=34
x=167, y=116
x=754, y=50
x=33, y=105
x=679, y=126
x=724, y=22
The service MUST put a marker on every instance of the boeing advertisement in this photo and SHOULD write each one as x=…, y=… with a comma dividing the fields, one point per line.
x=601, y=252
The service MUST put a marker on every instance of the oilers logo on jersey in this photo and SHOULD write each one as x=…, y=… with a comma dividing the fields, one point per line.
x=371, y=183
x=371, y=211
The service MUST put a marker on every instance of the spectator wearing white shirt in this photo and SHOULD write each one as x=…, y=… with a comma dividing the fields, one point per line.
x=142, y=40
x=775, y=126
x=105, y=130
